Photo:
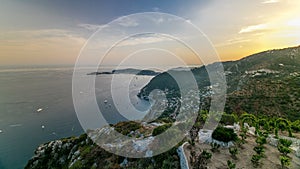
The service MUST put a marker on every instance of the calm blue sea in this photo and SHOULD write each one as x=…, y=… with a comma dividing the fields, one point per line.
x=24, y=90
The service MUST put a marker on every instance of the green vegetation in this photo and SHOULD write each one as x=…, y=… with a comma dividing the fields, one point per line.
x=283, y=124
x=160, y=129
x=202, y=160
x=259, y=150
x=261, y=140
x=233, y=151
x=126, y=127
x=255, y=160
x=224, y=134
x=285, y=161
x=214, y=147
x=243, y=134
x=229, y=119
x=283, y=146
x=230, y=164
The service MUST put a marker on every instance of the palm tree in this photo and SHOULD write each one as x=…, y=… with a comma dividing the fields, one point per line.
x=264, y=123
x=286, y=125
x=250, y=118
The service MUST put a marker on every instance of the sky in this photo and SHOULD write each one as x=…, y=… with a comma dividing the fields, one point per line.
x=35, y=32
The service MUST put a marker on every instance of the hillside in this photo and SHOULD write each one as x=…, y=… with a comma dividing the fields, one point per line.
x=82, y=153
x=265, y=83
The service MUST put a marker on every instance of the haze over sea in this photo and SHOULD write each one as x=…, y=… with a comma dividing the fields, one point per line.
x=24, y=90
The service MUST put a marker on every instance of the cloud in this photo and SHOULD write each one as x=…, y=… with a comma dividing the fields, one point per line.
x=144, y=40
x=270, y=1
x=253, y=28
x=22, y=37
x=233, y=41
x=92, y=27
x=127, y=22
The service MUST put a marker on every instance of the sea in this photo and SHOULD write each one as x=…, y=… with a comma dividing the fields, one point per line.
x=36, y=106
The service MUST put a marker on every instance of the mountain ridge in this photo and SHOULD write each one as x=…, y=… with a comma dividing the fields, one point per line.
x=272, y=69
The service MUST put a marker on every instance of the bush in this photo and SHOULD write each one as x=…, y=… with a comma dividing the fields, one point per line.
x=126, y=127
x=285, y=142
x=296, y=125
x=259, y=150
x=283, y=150
x=160, y=129
x=230, y=164
x=255, y=160
x=224, y=134
x=228, y=119
x=261, y=140
x=233, y=151
x=206, y=155
x=283, y=146
x=214, y=147
x=285, y=161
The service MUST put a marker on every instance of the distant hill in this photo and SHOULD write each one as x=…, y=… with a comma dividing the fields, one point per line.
x=266, y=83
x=128, y=71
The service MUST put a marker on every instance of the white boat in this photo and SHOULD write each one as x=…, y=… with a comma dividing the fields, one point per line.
x=1, y=131
x=105, y=101
x=43, y=126
x=39, y=110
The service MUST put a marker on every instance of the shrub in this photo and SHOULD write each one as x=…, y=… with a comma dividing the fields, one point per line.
x=192, y=142
x=296, y=125
x=233, y=151
x=285, y=161
x=283, y=150
x=224, y=134
x=243, y=136
x=202, y=160
x=214, y=147
x=206, y=155
x=230, y=164
x=285, y=142
x=126, y=127
x=259, y=150
x=283, y=146
x=160, y=129
x=255, y=160
x=228, y=119
x=261, y=140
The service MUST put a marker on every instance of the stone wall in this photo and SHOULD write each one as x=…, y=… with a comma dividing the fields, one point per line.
x=183, y=159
